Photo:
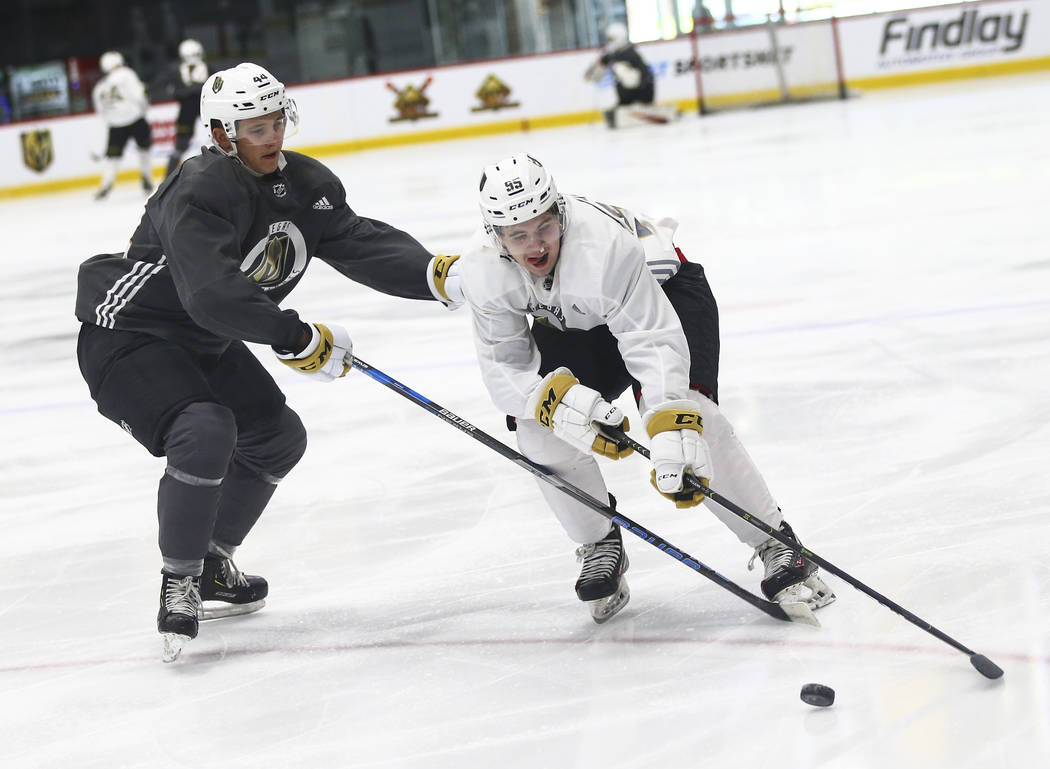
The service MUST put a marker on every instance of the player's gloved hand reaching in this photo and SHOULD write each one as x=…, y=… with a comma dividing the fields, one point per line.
x=444, y=282
x=325, y=357
x=677, y=448
x=571, y=410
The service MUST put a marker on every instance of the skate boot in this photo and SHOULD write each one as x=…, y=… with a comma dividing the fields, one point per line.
x=102, y=192
x=601, y=584
x=180, y=603
x=788, y=572
x=147, y=185
x=223, y=582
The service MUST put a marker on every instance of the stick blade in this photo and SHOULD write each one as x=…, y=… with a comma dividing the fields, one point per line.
x=985, y=666
x=800, y=612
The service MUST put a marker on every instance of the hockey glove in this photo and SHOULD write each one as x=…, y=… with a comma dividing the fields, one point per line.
x=326, y=356
x=677, y=449
x=571, y=410
x=443, y=279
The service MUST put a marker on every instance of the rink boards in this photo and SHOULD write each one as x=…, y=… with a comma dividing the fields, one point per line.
x=547, y=90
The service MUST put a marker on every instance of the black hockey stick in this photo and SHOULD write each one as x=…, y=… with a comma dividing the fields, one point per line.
x=789, y=612
x=984, y=666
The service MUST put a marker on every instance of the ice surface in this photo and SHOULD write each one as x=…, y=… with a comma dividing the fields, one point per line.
x=883, y=271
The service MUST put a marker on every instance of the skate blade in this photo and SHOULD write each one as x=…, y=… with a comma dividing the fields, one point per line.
x=173, y=643
x=221, y=610
x=811, y=592
x=819, y=593
x=799, y=611
x=604, y=609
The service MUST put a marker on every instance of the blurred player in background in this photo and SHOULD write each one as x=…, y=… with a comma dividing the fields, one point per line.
x=162, y=343
x=185, y=83
x=120, y=99
x=613, y=304
x=635, y=85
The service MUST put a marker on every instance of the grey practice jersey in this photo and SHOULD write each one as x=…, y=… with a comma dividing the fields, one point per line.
x=219, y=247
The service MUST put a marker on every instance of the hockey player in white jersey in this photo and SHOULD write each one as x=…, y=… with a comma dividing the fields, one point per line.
x=120, y=99
x=613, y=304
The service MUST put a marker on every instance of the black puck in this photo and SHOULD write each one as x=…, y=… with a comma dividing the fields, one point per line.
x=817, y=694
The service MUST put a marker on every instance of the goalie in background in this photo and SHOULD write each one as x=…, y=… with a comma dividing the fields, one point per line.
x=575, y=302
x=635, y=85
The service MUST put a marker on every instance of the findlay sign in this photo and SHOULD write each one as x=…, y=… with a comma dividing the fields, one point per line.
x=970, y=29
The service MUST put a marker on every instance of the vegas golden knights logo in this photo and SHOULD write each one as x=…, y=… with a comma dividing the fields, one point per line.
x=412, y=103
x=37, y=149
x=217, y=85
x=272, y=265
x=494, y=95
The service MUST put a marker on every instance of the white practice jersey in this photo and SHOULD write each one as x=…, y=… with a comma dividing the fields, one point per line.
x=193, y=72
x=120, y=98
x=609, y=271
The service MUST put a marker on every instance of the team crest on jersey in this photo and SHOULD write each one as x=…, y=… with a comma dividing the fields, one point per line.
x=279, y=190
x=548, y=314
x=38, y=151
x=277, y=258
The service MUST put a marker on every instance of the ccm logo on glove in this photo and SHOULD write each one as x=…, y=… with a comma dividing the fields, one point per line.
x=327, y=356
x=678, y=450
x=576, y=413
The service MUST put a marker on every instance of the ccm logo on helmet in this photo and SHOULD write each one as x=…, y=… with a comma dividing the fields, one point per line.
x=270, y=95
x=520, y=204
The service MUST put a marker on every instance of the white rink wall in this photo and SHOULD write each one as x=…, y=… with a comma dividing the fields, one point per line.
x=879, y=50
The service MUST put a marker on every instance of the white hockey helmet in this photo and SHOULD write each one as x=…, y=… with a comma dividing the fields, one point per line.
x=191, y=51
x=514, y=190
x=109, y=61
x=616, y=36
x=243, y=92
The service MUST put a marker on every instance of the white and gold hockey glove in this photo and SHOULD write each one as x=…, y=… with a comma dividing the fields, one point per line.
x=571, y=410
x=327, y=356
x=443, y=280
x=677, y=448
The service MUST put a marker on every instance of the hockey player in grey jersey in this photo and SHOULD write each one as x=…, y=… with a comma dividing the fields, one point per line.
x=613, y=304
x=162, y=344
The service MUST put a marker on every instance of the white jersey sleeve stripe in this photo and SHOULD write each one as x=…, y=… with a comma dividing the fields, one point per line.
x=121, y=292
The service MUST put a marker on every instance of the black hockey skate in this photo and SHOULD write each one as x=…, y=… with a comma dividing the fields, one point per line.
x=788, y=572
x=102, y=192
x=223, y=582
x=147, y=184
x=180, y=604
x=601, y=584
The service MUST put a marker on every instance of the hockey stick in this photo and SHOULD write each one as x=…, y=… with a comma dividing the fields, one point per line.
x=789, y=612
x=984, y=666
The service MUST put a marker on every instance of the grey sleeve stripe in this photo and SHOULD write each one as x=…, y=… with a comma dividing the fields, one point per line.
x=272, y=479
x=191, y=480
x=663, y=269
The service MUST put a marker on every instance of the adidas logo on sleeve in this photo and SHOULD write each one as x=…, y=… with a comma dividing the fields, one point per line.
x=323, y=204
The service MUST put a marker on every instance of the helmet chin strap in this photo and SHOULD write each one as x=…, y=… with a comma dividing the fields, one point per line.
x=231, y=153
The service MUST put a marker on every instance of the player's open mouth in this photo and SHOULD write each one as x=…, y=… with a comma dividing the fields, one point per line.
x=539, y=261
